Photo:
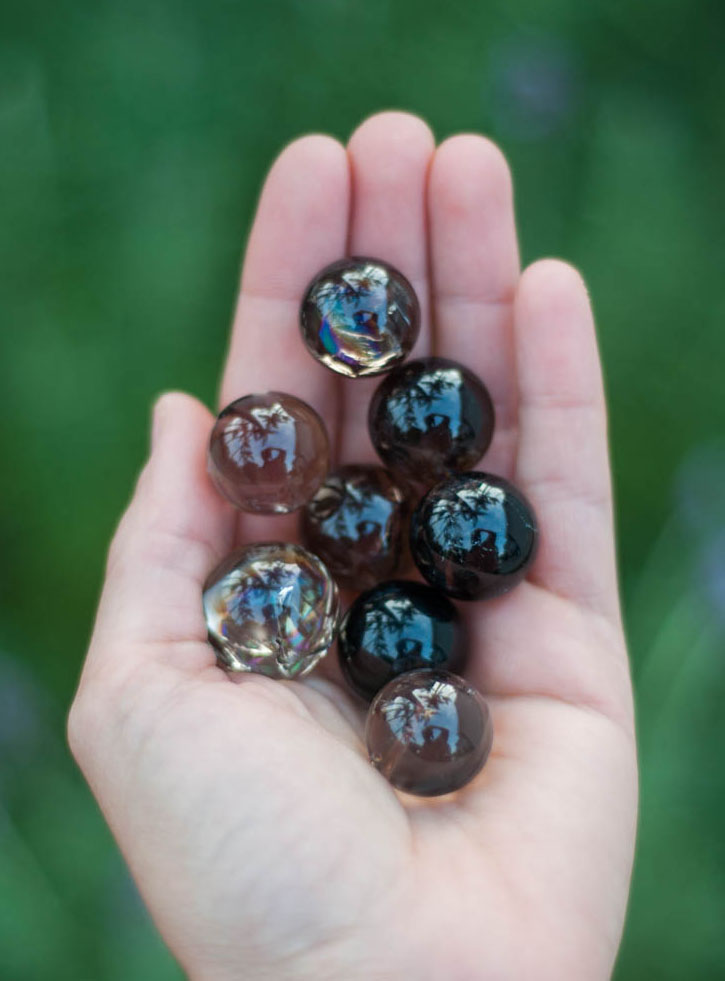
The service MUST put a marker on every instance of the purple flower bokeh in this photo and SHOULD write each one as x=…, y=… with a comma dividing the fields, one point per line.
x=535, y=86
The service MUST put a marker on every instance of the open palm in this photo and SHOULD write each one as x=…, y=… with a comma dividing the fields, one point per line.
x=263, y=842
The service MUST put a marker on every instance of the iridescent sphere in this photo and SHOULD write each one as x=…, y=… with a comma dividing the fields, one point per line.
x=398, y=626
x=356, y=524
x=428, y=732
x=268, y=453
x=473, y=536
x=271, y=608
x=360, y=316
x=430, y=417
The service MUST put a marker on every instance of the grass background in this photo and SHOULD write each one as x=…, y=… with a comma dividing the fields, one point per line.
x=133, y=140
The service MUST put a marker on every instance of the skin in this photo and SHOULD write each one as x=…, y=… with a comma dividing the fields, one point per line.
x=262, y=841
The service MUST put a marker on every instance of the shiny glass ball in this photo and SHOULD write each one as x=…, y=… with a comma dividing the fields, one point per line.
x=268, y=453
x=473, y=536
x=430, y=417
x=428, y=732
x=395, y=627
x=360, y=316
x=272, y=609
x=356, y=523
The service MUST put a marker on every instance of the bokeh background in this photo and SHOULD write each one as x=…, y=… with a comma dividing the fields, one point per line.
x=134, y=135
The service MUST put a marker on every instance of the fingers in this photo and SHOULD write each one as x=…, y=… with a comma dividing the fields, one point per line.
x=301, y=225
x=389, y=155
x=173, y=533
x=474, y=269
x=563, y=460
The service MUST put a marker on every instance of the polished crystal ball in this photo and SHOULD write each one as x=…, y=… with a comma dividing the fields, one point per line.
x=430, y=417
x=268, y=453
x=473, y=536
x=356, y=523
x=360, y=316
x=395, y=627
x=428, y=732
x=272, y=609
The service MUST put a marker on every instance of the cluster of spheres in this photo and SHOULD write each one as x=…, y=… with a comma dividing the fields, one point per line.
x=274, y=607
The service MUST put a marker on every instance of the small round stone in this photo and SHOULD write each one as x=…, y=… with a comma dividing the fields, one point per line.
x=272, y=609
x=268, y=453
x=473, y=536
x=430, y=417
x=360, y=316
x=356, y=524
x=399, y=626
x=428, y=732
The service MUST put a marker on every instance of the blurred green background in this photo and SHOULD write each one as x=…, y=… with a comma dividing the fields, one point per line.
x=133, y=140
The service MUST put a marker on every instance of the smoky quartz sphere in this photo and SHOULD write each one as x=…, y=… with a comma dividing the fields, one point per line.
x=360, y=316
x=395, y=627
x=268, y=453
x=473, y=536
x=428, y=732
x=356, y=524
x=430, y=417
x=271, y=608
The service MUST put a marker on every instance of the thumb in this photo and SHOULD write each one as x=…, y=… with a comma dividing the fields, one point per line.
x=175, y=529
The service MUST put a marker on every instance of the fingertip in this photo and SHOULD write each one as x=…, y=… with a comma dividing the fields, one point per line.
x=474, y=245
x=466, y=166
x=174, y=408
x=552, y=286
x=311, y=150
x=301, y=220
x=557, y=353
x=395, y=135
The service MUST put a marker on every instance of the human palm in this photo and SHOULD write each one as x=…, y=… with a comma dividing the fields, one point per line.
x=263, y=842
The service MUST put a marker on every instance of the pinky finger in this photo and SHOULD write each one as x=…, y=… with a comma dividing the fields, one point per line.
x=563, y=460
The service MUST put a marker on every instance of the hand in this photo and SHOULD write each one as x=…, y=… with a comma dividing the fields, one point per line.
x=263, y=842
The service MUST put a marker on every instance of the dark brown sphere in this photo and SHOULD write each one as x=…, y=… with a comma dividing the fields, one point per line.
x=473, y=536
x=356, y=523
x=395, y=627
x=360, y=316
x=431, y=417
x=268, y=453
x=428, y=732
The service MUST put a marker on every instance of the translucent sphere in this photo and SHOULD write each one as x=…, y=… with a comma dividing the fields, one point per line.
x=430, y=417
x=360, y=317
x=356, y=523
x=268, y=453
x=272, y=609
x=428, y=732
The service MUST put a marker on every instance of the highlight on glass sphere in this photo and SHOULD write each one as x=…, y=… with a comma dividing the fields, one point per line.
x=271, y=608
x=428, y=732
x=356, y=523
x=360, y=316
x=430, y=417
x=395, y=627
x=268, y=453
x=473, y=536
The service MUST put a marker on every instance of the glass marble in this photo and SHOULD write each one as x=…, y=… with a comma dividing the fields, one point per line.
x=399, y=626
x=356, y=523
x=430, y=417
x=360, y=316
x=473, y=536
x=428, y=732
x=272, y=609
x=268, y=453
